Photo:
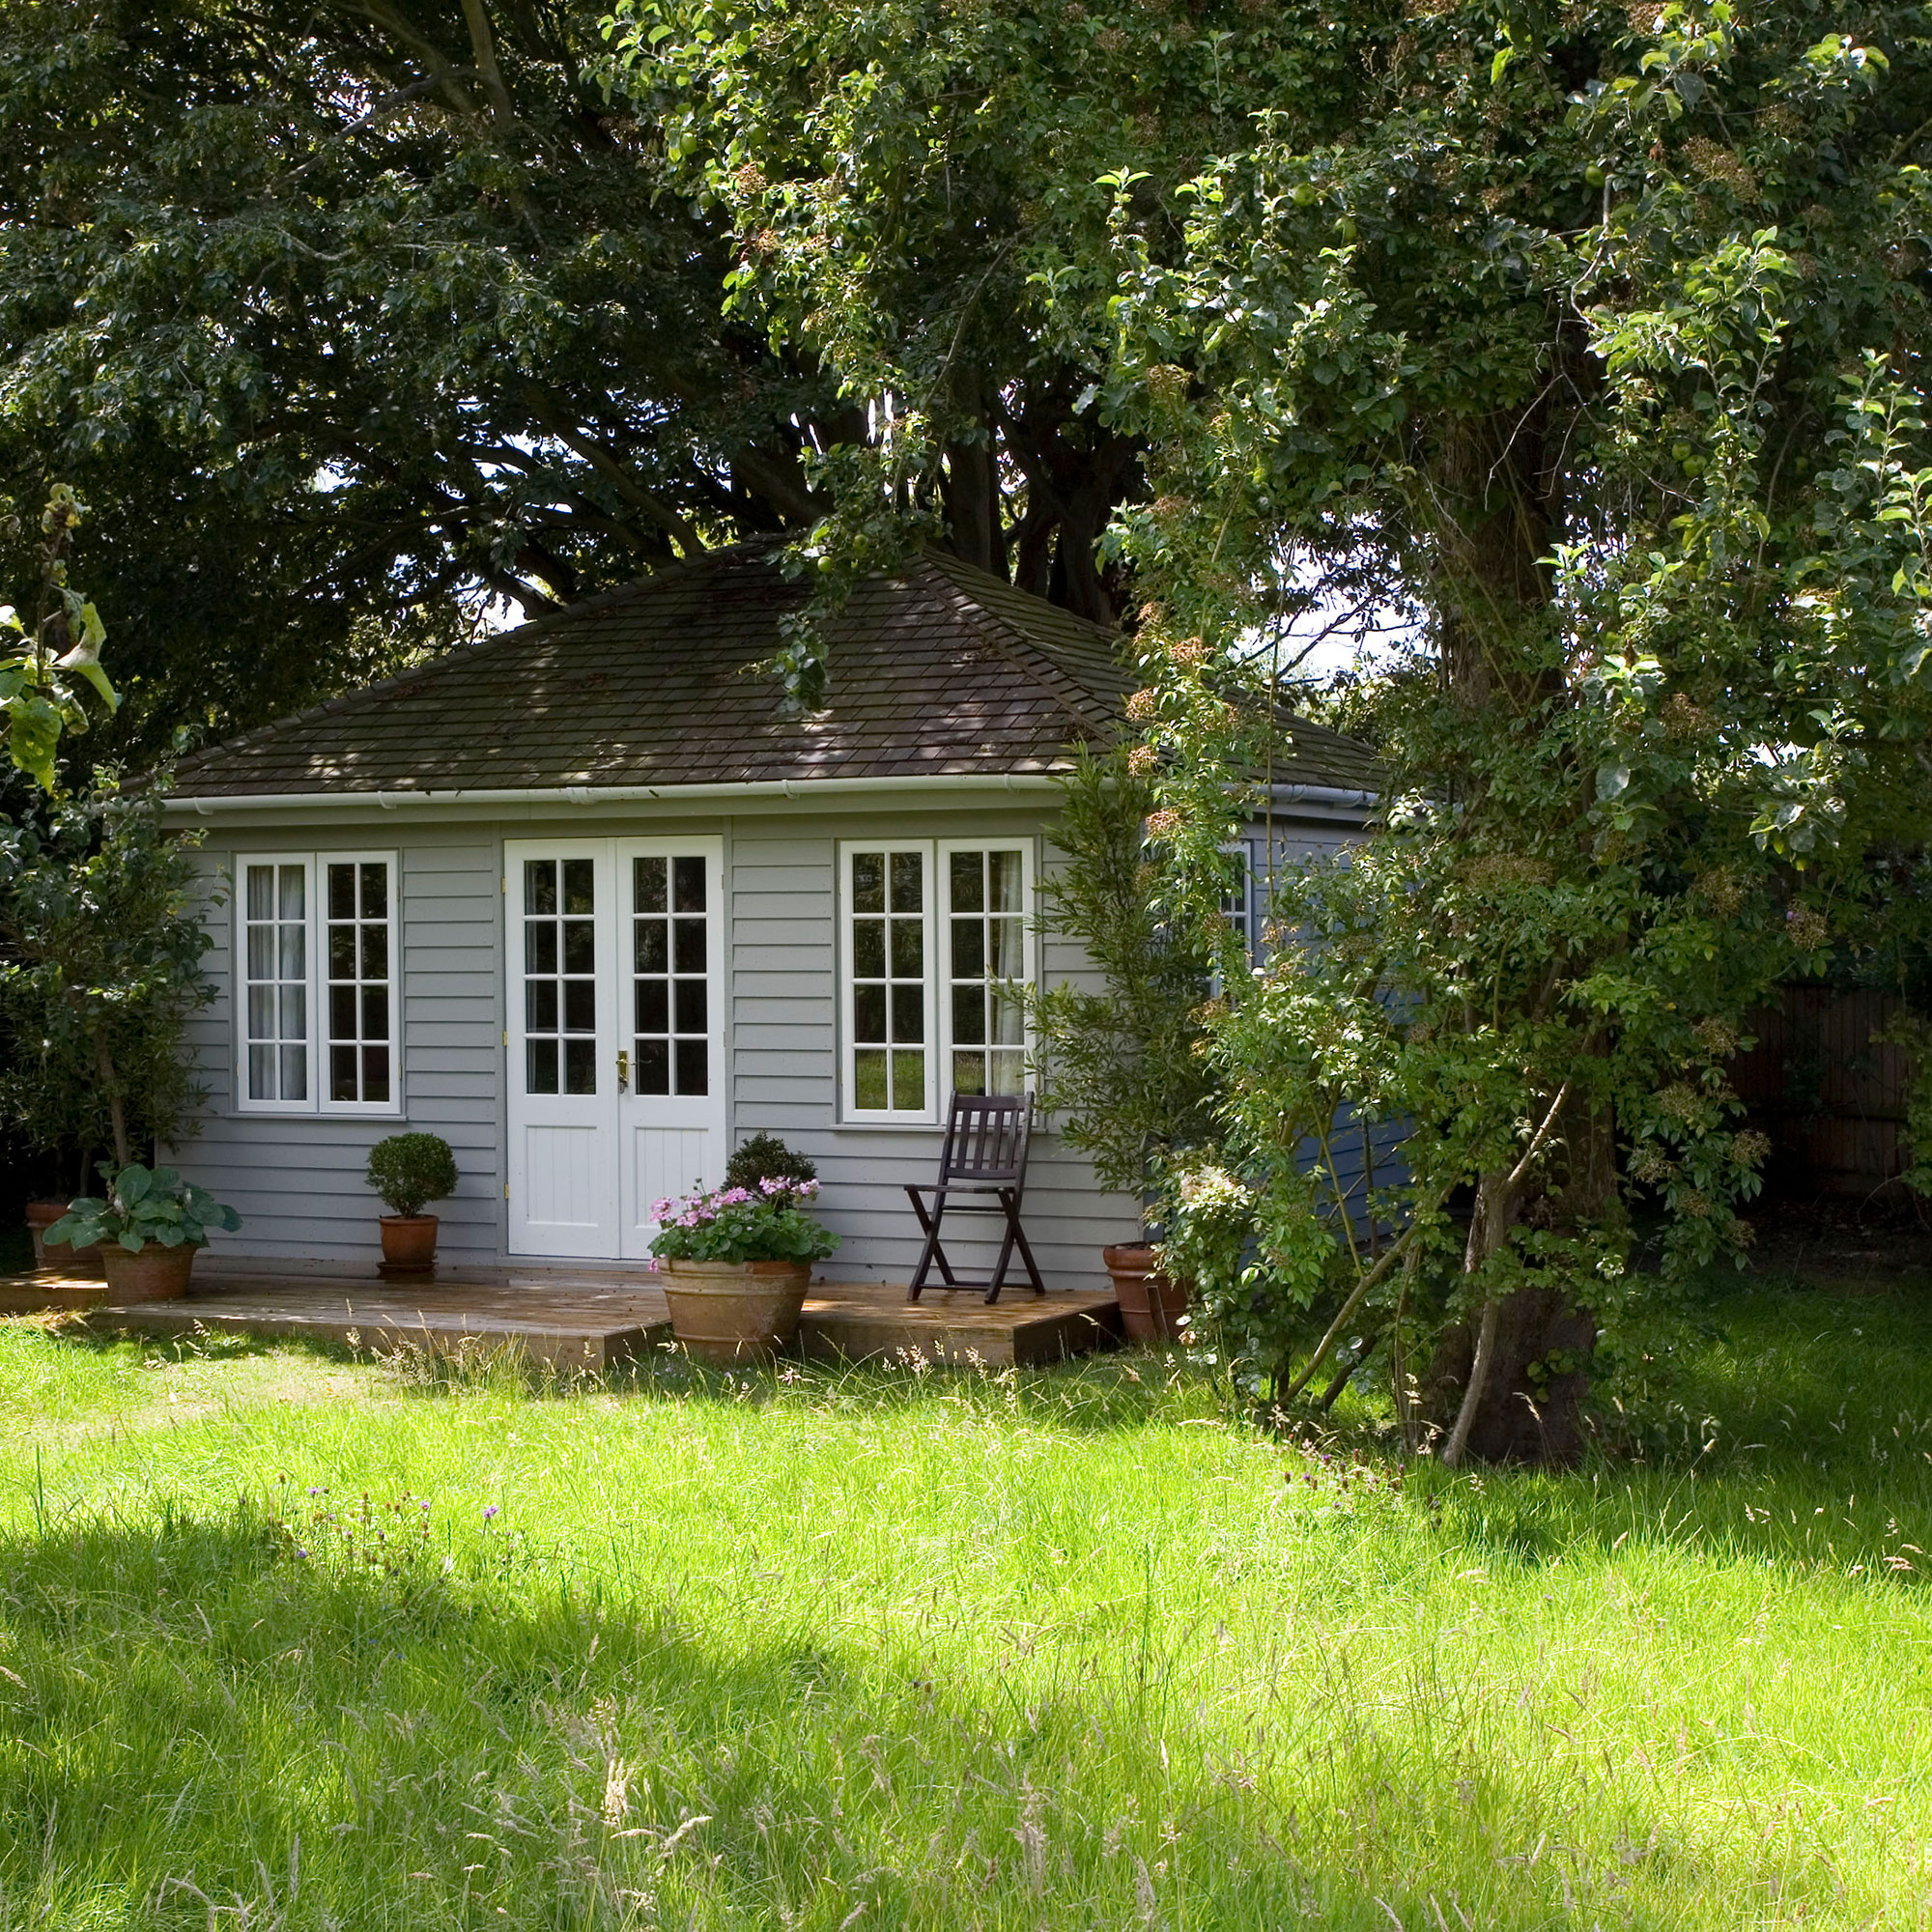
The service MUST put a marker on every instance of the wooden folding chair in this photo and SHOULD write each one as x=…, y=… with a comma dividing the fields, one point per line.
x=985, y=1154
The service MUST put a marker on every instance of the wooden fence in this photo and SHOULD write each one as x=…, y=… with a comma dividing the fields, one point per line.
x=1831, y=1099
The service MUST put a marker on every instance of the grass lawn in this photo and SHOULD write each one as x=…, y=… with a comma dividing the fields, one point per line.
x=1064, y=1649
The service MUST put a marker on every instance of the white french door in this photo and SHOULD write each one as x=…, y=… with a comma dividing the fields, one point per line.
x=616, y=1037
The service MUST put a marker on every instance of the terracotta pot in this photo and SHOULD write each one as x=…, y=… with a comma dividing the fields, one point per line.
x=155, y=1274
x=734, y=1311
x=409, y=1240
x=1151, y=1303
x=66, y=1259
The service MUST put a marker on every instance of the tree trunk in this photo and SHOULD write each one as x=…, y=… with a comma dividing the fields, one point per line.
x=117, y=1106
x=1530, y=1405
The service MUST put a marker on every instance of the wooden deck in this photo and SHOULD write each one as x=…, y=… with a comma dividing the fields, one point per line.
x=588, y=1318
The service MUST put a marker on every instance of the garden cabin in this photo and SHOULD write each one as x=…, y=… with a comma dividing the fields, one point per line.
x=582, y=899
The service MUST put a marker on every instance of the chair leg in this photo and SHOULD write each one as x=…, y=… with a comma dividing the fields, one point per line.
x=999, y=1280
x=932, y=1252
x=1026, y=1251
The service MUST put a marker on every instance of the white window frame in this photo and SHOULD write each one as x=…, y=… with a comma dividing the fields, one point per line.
x=936, y=917
x=315, y=872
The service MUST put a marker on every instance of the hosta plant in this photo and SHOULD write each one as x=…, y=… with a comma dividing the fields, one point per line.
x=144, y=1205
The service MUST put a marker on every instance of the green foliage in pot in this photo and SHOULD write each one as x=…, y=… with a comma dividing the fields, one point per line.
x=1122, y=1068
x=765, y=1157
x=101, y=940
x=408, y=1171
x=765, y=1223
x=143, y=1206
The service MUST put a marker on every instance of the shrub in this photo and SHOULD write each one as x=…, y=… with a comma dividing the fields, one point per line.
x=765, y=1157
x=408, y=1171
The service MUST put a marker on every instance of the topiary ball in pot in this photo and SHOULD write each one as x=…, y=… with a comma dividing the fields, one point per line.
x=408, y=1171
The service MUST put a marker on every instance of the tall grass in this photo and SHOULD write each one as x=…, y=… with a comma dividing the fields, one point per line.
x=294, y=1641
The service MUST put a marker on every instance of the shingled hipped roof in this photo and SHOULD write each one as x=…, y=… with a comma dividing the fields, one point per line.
x=934, y=669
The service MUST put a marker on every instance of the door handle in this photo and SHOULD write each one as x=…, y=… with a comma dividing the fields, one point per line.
x=623, y=1069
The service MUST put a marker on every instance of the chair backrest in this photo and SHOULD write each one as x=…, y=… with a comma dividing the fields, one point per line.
x=986, y=1137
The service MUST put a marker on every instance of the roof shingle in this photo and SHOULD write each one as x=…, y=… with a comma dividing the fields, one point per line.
x=934, y=668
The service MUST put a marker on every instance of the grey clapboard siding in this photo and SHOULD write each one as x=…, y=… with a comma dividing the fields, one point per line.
x=298, y=1179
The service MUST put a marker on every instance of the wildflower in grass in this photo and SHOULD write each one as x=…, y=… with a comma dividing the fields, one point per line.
x=488, y=1510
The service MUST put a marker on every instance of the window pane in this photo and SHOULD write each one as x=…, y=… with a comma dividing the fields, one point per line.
x=966, y=873
x=580, y=946
x=375, y=1012
x=969, y=1072
x=580, y=1067
x=969, y=1016
x=342, y=952
x=869, y=883
x=540, y=1067
x=294, y=893
x=294, y=1072
x=869, y=948
x=1003, y=873
x=342, y=1073
x=869, y=1081
x=689, y=945
x=341, y=1013
x=580, y=885
x=648, y=878
x=908, y=950
x=294, y=1016
x=650, y=948
x=1009, y=1073
x=1009, y=1018
x=688, y=883
x=376, y=1075
x=693, y=1067
x=540, y=947
x=579, y=1006
x=260, y=892
x=375, y=952
x=1009, y=937
x=376, y=891
x=908, y=1082
x=908, y=876
x=653, y=1074
x=691, y=1011
x=868, y=1013
x=261, y=1073
x=908, y=1013
x=653, y=1006
x=540, y=1010
x=342, y=892
x=289, y=964
x=260, y=953
x=261, y=1013
x=540, y=896
x=969, y=949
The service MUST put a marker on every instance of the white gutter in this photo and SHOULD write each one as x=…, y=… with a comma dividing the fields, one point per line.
x=797, y=789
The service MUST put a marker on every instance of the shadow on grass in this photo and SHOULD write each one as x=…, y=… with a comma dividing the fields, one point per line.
x=262, y=1722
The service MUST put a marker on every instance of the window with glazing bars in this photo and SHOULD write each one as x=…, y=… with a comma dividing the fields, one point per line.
x=275, y=899
x=356, y=961
x=669, y=965
x=559, y=921
x=934, y=952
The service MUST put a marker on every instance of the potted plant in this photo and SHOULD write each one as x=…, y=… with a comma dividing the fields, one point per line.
x=409, y=1171
x=735, y=1263
x=1119, y=1066
x=149, y=1227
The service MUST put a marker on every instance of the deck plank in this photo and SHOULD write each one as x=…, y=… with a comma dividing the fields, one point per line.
x=589, y=1319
